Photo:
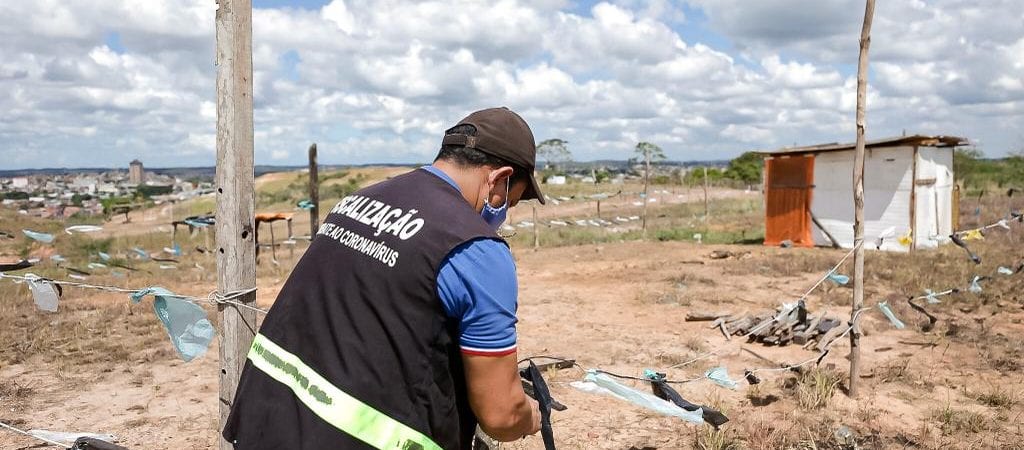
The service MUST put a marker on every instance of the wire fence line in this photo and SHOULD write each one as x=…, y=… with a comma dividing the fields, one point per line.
x=213, y=297
x=26, y=433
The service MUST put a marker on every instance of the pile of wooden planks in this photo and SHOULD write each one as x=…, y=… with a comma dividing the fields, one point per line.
x=780, y=327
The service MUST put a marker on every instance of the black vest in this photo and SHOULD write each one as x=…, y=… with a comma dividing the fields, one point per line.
x=361, y=308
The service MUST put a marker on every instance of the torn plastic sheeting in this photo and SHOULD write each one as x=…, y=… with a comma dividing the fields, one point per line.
x=838, y=279
x=186, y=323
x=37, y=236
x=975, y=285
x=598, y=383
x=95, y=265
x=168, y=266
x=305, y=204
x=70, y=437
x=82, y=229
x=1004, y=270
x=75, y=276
x=57, y=258
x=720, y=376
x=142, y=253
x=884, y=307
x=45, y=294
x=887, y=233
x=930, y=297
x=104, y=256
x=973, y=235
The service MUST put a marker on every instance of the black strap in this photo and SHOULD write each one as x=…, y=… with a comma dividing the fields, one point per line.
x=544, y=401
x=665, y=392
x=85, y=443
x=23, y=264
x=960, y=243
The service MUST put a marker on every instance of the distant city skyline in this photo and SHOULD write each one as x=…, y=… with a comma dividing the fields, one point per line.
x=87, y=84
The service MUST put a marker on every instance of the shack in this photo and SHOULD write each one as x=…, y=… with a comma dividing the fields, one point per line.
x=908, y=186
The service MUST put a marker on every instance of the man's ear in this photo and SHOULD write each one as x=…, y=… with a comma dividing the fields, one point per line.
x=499, y=175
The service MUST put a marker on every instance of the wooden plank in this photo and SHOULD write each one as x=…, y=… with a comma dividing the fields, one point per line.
x=314, y=192
x=236, y=201
x=858, y=196
x=832, y=239
x=704, y=316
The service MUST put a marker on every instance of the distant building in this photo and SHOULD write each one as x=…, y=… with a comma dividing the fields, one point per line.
x=136, y=174
x=19, y=182
x=908, y=183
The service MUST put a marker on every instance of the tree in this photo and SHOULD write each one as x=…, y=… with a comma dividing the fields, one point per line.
x=647, y=151
x=554, y=151
x=746, y=168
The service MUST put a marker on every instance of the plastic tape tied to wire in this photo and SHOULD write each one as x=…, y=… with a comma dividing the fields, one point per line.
x=598, y=383
x=186, y=323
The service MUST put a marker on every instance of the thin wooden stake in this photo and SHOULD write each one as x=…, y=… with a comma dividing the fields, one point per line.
x=858, y=196
x=536, y=229
x=314, y=192
x=647, y=177
x=705, y=194
x=236, y=199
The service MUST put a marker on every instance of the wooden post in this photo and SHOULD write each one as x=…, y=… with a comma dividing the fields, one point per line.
x=536, y=229
x=647, y=177
x=236, y=199
x=858, y=197
x=705, y=194
x=314, y=192
x=599, y=209
x=913, y=202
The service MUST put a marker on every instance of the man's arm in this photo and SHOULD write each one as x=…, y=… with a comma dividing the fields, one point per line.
x=477, y=285
x=497, y=398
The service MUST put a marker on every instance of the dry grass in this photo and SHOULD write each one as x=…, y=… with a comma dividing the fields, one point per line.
x=952, y=421
x=997, y=397
x=815, y=388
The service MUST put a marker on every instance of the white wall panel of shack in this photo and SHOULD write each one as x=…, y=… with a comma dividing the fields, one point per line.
x=887, y=182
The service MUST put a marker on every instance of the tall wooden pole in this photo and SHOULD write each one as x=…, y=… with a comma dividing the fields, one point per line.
x=705, y=194
x=858, y=196
x=647, y=177
x=236, y=199
x=536, y=229
x=314, y=192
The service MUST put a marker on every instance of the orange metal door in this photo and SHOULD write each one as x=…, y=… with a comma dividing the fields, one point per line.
x=790, y=181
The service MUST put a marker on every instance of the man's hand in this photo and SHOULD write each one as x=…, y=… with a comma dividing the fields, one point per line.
x=535, y=412
x=497, y=398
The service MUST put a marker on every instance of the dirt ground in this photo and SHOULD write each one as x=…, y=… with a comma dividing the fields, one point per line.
x=101, y=366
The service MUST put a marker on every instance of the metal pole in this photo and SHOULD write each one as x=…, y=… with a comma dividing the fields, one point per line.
x=236, y=200
x=858, y=197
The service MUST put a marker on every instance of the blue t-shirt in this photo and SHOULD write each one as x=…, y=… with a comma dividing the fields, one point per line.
x=477, y=285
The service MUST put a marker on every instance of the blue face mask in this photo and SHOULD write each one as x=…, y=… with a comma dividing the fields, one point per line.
x=496, y=216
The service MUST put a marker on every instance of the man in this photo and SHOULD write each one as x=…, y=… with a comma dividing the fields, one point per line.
x=396, y=330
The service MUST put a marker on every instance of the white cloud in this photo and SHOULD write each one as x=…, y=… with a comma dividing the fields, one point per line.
x=371, y=85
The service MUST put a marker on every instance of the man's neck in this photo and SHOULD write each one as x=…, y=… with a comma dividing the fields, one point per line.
x=467, y=180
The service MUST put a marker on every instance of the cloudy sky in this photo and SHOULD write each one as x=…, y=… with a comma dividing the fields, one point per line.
x=87, y=83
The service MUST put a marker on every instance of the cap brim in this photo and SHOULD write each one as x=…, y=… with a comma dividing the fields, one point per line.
x=533, y=190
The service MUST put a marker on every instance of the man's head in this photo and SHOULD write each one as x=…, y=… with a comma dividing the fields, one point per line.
x=498, y=149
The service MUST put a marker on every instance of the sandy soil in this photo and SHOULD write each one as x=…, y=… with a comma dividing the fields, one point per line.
x=620, y=307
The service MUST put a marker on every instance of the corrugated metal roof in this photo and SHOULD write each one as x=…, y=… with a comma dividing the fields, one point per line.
x=917, y=139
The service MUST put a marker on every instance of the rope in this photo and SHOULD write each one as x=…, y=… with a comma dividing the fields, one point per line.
x=26, y=433
x=214, y=297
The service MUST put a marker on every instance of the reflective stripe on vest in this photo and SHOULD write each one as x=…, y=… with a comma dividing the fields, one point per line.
x=333, y=405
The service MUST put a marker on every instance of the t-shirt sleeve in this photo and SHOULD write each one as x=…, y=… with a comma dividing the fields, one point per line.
x=477, y=286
